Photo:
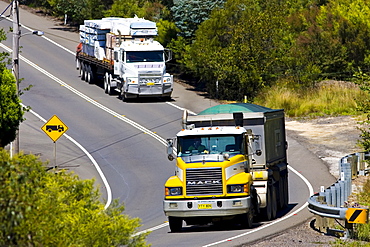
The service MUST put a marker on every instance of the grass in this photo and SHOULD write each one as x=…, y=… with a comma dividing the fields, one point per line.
x=361, y=231
x=326, y=99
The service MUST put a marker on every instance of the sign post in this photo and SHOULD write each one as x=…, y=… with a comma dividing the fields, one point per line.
x=54, y=128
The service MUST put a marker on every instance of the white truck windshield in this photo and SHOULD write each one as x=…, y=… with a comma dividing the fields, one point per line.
x=144, y=56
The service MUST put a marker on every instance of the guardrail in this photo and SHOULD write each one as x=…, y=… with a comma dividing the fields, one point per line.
x=332, y=201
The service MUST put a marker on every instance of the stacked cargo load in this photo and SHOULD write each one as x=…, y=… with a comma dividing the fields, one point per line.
x=99, y=37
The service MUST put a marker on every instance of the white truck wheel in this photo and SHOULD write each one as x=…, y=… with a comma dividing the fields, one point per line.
x=91, y=75
x=266, y=212
x=106, y=82
x=87, y=73
x=82, y=71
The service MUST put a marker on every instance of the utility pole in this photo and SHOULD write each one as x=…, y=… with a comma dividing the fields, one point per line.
x=16, y=36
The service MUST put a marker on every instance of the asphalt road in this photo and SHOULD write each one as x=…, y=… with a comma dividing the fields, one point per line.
x=132, y=157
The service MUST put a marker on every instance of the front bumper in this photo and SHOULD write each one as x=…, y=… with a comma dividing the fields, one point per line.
x=212, y=207
x=158, y=90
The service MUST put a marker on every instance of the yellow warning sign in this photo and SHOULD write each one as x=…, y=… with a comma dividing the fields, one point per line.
x=54, y=128
x=357, y=215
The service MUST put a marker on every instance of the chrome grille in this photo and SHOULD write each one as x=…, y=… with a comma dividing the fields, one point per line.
x=207, y=181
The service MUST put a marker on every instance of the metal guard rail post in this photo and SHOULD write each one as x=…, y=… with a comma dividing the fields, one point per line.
x=330, y=203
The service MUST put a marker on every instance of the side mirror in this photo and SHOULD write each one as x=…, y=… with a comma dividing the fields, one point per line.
x=170, y=149
x=170, y=157
x=167, y=55
x=115, y=56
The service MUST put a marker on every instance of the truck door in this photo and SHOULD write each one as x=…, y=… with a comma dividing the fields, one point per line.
x=118, y=56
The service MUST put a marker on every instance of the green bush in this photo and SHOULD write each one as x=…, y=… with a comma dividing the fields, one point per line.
x=45, y=208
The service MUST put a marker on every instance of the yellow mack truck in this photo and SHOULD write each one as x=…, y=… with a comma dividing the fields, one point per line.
x=231, y=164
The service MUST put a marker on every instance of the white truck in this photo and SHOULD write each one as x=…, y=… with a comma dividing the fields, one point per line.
x=239, y=171
x=123, y=52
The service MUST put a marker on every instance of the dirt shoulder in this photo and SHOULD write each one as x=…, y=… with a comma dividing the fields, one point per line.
x=329, y=138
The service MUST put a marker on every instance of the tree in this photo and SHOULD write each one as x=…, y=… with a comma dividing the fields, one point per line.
x=363, y=80
x=238, y=50
x=11, y=112
x=77, y=10
x=188, y=15
x=55, y=208
x=150, y=10
x=330, y=40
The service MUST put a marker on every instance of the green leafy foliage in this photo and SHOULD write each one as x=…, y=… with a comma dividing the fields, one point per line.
x=363, y=80
x=77, y=10
x=11, y=112
x=44, y=208
x=167, y=32
x=151, y=10
x=235, y=49
x=189, y=14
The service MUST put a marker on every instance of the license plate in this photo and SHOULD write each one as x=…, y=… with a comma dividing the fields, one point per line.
x=204, y=206
x=150, y=83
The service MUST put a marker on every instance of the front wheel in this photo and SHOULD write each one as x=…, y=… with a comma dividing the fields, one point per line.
x=175, y=224
x=246, y=220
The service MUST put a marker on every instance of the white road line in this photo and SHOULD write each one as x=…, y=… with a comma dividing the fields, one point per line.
x=105, y=181
x=157, y=137
x=151, y=229
x=276, y=221
x=180, y=108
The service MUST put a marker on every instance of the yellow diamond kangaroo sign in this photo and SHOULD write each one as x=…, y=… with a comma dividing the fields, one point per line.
x=54, y=128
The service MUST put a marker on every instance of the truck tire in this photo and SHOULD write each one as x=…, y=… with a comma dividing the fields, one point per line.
x=88, y=73
x=105, y=82
x=82, y=70
x=123, y=96
x=281, y=193
x=91, y=75
x=107, y=88
x=273, y=202
x=175, y=224
x=246, y=220
x=269, y=212
x=286, y=191
x=266, y=212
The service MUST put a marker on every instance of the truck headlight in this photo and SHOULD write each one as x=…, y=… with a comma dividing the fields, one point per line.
x=238, y=188
x=173, y=191
x=167, y=79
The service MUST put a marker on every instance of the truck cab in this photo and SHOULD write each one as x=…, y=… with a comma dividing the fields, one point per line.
x=212, y=181
x=230, y=165
x=140, y=69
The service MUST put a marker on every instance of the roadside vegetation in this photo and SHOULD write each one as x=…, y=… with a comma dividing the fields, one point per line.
x=240, y=48
x=329, y=98
x=361, y=231
x=56, y=208
x=310, y=57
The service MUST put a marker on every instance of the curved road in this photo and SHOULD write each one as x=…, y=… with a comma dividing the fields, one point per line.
x=126, y=139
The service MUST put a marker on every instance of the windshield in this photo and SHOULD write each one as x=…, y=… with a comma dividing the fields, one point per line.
x=194, y=145
x=144, y=56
